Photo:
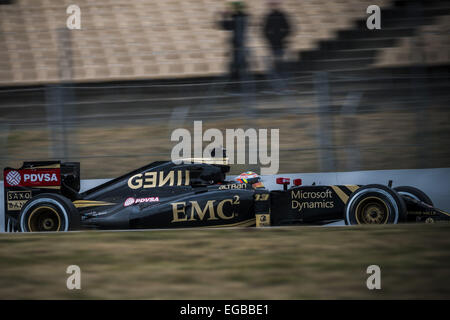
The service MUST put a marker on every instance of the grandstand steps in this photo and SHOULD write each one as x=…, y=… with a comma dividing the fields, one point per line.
x=406, y=22
x=359, y=46
x=373, y=34
x=131, y=40
x=365, y=43
x=436, y=4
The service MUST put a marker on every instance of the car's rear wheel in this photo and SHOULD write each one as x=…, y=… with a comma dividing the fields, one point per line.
x=49, y=212
x=374, y=204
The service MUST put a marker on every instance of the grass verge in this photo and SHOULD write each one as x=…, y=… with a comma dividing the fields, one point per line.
x=277, y=263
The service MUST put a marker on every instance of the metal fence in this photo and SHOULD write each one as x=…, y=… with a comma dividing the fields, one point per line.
x=327, y=122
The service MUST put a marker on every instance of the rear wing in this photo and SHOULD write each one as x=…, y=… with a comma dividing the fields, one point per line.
x=36, y=177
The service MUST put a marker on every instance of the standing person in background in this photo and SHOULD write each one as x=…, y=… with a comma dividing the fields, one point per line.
x=276, y=28
x=236, y=21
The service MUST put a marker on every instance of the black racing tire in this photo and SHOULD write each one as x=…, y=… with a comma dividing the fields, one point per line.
x=414, y=193
x=374, y=204
x=49, y=212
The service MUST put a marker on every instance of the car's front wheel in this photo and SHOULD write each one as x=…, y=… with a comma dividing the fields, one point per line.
x=374, y=204
x=49, y=212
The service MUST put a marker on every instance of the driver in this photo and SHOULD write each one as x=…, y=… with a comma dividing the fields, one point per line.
x=250, y=177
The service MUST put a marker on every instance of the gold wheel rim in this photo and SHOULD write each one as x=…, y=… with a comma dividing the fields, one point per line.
x=43, y=219
x=372, y=210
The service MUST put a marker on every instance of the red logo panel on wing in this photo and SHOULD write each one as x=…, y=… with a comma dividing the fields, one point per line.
x=32, y=178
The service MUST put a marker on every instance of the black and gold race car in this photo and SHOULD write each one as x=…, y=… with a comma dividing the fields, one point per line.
x=44, y=196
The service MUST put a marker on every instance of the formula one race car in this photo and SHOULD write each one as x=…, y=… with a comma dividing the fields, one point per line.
x=44, y=196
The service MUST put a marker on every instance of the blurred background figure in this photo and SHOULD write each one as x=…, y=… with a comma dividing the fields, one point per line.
x=276, y=29
x=236, y=21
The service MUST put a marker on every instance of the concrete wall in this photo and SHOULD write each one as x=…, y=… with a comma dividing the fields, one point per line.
x=434, y=182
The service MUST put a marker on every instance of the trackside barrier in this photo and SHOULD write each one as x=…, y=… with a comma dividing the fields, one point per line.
x=434, y=182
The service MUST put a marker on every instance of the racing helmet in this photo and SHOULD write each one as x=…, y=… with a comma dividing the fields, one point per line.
x=250, y=177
